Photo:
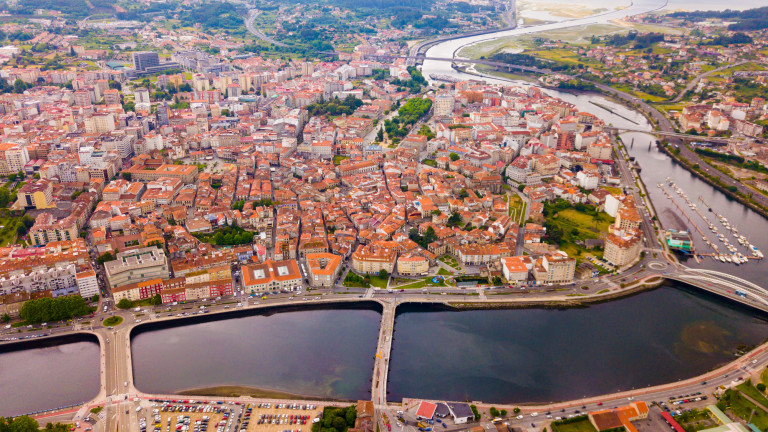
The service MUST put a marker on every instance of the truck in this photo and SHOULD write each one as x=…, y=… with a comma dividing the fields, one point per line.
x=421, y=425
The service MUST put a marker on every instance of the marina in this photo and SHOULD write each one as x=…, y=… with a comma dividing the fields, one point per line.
x=729, y=253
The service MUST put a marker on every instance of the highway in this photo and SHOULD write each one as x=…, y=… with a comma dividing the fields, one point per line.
x=252, y=14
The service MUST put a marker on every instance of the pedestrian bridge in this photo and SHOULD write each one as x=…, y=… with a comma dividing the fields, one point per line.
x=724, y=284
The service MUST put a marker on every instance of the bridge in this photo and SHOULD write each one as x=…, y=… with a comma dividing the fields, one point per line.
x=723, y=284
x=683, y=136
x=117, y=391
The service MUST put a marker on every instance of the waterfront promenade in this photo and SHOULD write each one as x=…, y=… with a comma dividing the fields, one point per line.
x=118, y=392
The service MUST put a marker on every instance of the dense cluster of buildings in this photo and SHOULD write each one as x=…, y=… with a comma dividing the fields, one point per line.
x=241, y=177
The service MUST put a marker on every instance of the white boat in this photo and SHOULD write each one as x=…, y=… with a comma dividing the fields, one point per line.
x=721, y=258
x=728, y=258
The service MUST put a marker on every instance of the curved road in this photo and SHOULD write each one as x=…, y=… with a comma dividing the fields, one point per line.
x=252, y=14
x=698, y=78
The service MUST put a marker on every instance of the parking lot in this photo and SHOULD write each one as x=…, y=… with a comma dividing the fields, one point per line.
x=281, y=417
x=192, y=416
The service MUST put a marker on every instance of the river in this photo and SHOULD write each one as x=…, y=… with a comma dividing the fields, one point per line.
x=444, y=355
x=325, y=353
x=42, y=375
x=539, y=355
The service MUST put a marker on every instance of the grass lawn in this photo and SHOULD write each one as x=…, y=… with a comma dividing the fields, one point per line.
x=696, y=419
x=748, y=389
x=8, y=229
x=673, y=107
x=565, y=56
x=586, y=224
x=426, y=282
x=613, y=190
x=443, y=272
x=350, y=283
x=338, y=158
x=516, y=208
x=582, y=425
x=579, y=226
x=112, y=321
x=378, y=282
x=740, y=407
x=764, y=376
x=450, y=261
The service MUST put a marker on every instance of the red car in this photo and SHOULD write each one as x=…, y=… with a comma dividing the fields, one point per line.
x=599, y=404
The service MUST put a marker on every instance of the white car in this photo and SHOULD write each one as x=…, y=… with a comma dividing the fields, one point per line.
x=520, y=417
x=534, y=414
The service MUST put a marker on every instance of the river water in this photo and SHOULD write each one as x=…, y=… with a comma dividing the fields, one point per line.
x=660, y=336
x=325, y=353
x=41, y=375
x=538, y=355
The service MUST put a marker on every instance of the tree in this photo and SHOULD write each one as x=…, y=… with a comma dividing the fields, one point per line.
x=494, y=412
x=5, y=318
x=384, y=274
x=380, y=135
x=19, y=86
x=95, y=298
x=19, y=424
x=21, y=230
x=463, y=193
x=5, y=197
x=504, y=413
x=28, y=221
x=554, y=234
x=475, y=412
x=454, y=157
x=12, y=177
x=156, y=300
x=454, y=219
x=427, y=132
x=520, y=187
x=106, y=256
x=761, y=387
x=125, y=304
x=516, y=410
x=126, y=176
x=54, y=309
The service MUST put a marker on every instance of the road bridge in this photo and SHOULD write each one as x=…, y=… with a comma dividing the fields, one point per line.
x=683, y=136
x=383, y=350
x=723, y=284
x=117, y=382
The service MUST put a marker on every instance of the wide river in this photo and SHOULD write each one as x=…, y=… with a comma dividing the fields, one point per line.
x=541, y=355
x=502, y=355
x=325, y=353
x=40, y=375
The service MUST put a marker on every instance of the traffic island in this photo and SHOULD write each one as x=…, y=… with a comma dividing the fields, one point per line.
x=112, y=321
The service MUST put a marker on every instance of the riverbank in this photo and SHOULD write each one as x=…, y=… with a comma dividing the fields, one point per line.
x=740, y=198
x=254, y=392
x=574, y=302
x=762, y=211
